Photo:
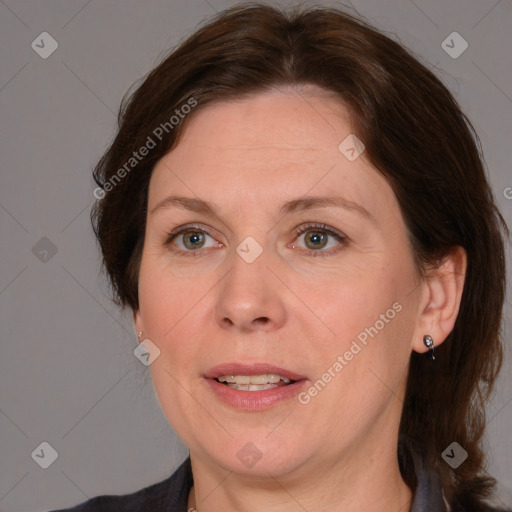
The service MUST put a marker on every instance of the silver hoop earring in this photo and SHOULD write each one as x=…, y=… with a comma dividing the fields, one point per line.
x=428, y=341
x=139, y=335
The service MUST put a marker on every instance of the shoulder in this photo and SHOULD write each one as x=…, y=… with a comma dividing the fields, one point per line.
x=169, y=494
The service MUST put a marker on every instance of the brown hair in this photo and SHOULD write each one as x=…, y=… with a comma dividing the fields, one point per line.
x=415, y=134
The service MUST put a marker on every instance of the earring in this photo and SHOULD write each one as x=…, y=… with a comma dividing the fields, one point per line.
x=139, y=335
x=428, y=341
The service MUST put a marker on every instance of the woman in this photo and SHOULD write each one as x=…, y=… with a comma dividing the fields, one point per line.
x=297, y=214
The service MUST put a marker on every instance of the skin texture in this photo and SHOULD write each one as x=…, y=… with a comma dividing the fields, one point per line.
x=288, y=307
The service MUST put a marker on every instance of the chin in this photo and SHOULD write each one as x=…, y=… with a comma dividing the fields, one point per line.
x=262, y=458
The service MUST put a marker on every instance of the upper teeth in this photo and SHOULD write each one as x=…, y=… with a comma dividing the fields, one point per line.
x=270, y=378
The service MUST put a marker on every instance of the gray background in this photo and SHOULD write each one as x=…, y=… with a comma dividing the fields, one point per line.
x=68, y=374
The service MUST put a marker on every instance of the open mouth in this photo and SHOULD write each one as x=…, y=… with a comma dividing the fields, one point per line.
x=250, y=387
x=254, y=382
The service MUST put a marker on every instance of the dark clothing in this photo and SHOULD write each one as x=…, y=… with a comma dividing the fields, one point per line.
x=171, y=495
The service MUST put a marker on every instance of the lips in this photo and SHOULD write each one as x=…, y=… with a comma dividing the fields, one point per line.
x=253, y=397
x=252, y=369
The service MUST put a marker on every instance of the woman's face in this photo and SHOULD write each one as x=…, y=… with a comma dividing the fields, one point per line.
x=273, y=278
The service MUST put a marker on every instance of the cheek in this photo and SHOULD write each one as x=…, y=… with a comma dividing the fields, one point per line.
x=164, y=307
x=349, y=301
x=169, y=311
x=361, y=371
x=368, y=321
x=164, y=298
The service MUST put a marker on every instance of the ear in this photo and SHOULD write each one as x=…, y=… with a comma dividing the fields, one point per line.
x=440, y=301
x=137, y=323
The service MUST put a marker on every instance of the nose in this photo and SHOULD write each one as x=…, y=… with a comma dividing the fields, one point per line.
x=250, y=297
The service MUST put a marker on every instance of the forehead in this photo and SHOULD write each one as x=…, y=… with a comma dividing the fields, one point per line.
x=305, y=118
x=264, y=149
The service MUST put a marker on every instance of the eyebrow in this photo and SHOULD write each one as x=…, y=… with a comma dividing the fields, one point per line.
x=298, y=205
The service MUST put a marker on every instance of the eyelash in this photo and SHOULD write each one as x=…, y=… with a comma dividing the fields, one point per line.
x=342, y=239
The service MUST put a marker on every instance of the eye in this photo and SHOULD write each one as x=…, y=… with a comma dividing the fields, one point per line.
x=190, y=240
x=316, y=238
